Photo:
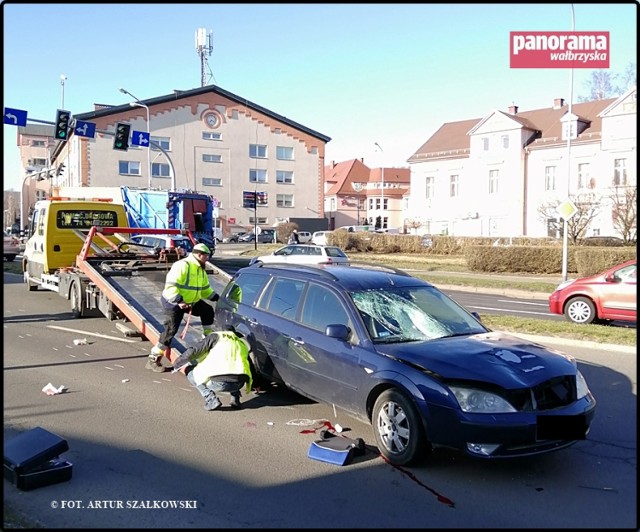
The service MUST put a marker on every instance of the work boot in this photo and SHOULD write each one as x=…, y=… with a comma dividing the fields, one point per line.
x=154, y=364
x=212, y=402
x=235, y=400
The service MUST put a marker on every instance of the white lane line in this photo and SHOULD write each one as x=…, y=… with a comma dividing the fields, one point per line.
x=517, y=302
x=511, y=311
x=93, y=334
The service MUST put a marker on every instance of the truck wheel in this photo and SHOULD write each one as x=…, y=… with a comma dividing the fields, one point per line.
x=31, y=286
x=75, y=295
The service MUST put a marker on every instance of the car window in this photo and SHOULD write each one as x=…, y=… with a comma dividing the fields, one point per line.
x=285, y=297
x=314, y=251
x=286, y=251
x=322, y=308
x=335, y=252
x=627, y=274
x=245, y=288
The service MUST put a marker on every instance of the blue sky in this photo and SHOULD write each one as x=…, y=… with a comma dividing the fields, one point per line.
x=358, y=73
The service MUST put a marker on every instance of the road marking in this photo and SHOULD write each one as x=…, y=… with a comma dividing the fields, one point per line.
x=511, y=311
x=92, y=334
x=518, y=302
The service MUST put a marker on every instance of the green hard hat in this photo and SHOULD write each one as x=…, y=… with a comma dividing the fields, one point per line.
x=201, y=248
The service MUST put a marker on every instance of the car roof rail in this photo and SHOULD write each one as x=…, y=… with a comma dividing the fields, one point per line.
x=304, y=267
x=378, y=267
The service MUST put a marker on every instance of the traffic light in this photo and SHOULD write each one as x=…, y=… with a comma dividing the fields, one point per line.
x=121, y=140
x=62, y=125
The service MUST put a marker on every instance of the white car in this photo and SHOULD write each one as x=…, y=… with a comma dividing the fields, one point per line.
x=152, y=244
x=305, y=254
x=304, y=237
x=319, y=238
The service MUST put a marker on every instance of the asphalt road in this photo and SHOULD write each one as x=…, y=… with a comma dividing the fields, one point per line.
x=138, y=436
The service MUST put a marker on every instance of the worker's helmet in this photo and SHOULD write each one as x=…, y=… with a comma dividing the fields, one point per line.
x=201, y=248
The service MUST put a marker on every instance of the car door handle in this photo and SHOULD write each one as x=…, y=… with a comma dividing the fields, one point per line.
x=297, y=340
x=252, y=321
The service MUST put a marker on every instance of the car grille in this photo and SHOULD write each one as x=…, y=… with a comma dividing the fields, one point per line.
x=554, y=393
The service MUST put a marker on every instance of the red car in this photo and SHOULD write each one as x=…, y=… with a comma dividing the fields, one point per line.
x=610, y=295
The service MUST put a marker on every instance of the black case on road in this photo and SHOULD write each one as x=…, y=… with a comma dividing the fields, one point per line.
x=31, y=460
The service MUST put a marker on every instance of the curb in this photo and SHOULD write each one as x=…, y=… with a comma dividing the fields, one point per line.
x=571, y=342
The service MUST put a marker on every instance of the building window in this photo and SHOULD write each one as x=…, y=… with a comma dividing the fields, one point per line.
x=160, y=170
x=583, y=175
x=429, y=187
x=211, y=181
x=549, y=178
x=211, y=135
x=257, y=176
x=38, y=143
x=210, y=158
x=262, y=220
x=619, y=172
x=505, y=141
x=284, y=200
x=493, y=181
x=257, y=151
x=284, y=153
x=129, y=168
x=39, y=162
x=485, y=143
x=283, y=176
x=552, y=227
x=453, y=186
x=163, y=142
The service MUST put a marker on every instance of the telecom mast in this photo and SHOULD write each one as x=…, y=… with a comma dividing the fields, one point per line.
x=204, y=46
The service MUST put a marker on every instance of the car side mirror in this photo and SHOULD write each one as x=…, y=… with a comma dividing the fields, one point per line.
x=611, y=278
x=339, y=331
x=476, y=316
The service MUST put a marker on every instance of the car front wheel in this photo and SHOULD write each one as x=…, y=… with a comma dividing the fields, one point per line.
x=397, y=428
x=580, y=310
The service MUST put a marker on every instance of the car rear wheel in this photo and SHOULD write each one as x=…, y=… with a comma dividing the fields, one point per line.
x=397, y=428
x=580, y=310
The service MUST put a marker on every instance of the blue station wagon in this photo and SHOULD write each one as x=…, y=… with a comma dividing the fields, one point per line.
x=394, y=351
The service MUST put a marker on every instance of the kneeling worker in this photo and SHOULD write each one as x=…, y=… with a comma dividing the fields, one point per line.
x=218, y=363
x=186, y=289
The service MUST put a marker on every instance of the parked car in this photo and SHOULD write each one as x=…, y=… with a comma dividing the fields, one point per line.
x=233, y=237
x=304, y=237
x=305, y=254
x=154, y=243
x=11, y=246
x=266, y=236
x=426, y=241
x=610, y=295
x=319, y=238
x=394, y=351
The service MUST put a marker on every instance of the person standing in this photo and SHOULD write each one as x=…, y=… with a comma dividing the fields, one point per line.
x=218, y=363
x=293, y=237
x=186, y=289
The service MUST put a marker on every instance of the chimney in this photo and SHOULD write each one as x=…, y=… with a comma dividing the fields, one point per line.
x=333, y=164
x=558, y=103
x=513, y=109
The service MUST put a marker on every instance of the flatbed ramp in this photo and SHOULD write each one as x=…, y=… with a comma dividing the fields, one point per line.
x=133, y=284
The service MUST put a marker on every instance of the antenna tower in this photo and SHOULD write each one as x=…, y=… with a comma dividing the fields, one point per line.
x=204, y=46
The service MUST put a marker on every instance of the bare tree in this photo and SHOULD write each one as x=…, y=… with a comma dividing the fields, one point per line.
x=604, y=84
x=588, y=208
x=414, y=224
x=624, y=212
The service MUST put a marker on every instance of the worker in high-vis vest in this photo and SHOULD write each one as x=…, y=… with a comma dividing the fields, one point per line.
x=218, y=363
x=186, y=289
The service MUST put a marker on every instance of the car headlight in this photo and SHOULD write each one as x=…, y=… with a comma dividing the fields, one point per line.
x=480, y=402
x=564, y=284
x=581, y=385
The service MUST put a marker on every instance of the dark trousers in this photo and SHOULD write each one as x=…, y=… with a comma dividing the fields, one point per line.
x=173, y=319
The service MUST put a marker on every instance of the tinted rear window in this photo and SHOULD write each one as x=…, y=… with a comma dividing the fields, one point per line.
x=335, y=252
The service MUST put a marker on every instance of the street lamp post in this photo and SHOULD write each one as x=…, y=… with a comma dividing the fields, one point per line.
x=565, y=236
x=63, y=78
x=381, y=189
x=138, y=103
